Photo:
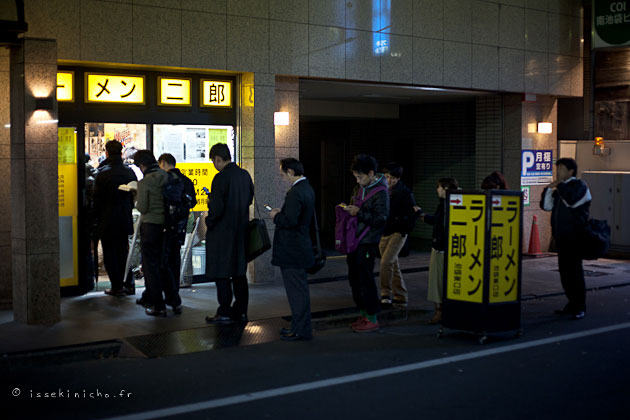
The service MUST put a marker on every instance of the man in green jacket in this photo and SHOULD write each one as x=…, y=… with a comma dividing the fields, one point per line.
x=150, y=204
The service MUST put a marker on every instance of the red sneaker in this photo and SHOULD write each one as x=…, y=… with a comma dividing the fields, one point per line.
x=367, y=326
x=360, y=320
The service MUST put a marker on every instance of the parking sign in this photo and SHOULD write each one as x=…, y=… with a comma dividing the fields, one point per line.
x=536, y=167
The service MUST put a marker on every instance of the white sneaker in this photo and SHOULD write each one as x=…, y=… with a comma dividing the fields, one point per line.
x=386, y=301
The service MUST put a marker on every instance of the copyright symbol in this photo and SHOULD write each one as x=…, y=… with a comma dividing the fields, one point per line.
x=16, y=392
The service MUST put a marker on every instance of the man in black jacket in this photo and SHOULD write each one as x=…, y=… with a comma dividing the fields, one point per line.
x=113, y=212
x=402, y=217
x=569, y=204
x=228, y=216
x=372, y=215
x=173, y=241
x=292, y=247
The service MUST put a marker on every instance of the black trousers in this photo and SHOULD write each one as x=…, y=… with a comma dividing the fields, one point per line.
x=151, y=242
x=234, y=287
x=296, y=285
x=115, y=250
x=172, y=261
x=361, y=277
x=572, y=273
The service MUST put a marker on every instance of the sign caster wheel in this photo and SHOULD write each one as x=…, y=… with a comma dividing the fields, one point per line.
x=440, y=333
x=519, y=333
x=482, y=340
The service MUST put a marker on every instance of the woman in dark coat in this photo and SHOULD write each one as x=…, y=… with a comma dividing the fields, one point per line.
x=438, y=246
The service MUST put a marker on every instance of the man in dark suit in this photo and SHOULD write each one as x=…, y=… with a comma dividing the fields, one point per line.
x=112, y=208
x=292, y=247
x=228, y=217
x=174, y=240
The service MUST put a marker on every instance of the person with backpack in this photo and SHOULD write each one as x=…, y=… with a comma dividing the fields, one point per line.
x=569, y=199
x=370, y=207
x=150, y=203
x=438, y=246
x=401, y=220
x=177, y=211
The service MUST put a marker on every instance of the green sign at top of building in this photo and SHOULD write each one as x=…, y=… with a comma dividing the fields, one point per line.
x=611, y=23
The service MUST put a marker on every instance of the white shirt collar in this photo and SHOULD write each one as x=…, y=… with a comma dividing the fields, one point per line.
x=301, y=179
x=567, y=180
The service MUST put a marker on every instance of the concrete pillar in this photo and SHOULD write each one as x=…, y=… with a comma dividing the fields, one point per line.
x=34, y=211
x=259, y=158
x=5, y=185
x=544, y=109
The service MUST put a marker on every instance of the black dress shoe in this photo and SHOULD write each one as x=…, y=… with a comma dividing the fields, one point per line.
x=129, y=291
x=155, y=312
x=219, y=320
x=578, y=315
x=285, y=331
x=115, y=292
x=177, y=309
x=140, y=301
x=294, y=336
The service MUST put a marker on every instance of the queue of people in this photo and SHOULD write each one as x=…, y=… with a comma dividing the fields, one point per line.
x=383, y=206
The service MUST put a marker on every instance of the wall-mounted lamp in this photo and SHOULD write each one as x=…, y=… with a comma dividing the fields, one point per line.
x=280, y=118
x=545, y=128
x=45, y=104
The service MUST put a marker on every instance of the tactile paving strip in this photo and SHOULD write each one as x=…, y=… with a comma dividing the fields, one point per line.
x=207, y=338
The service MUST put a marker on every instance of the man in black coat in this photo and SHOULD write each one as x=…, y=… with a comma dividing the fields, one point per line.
x=292, y=247
x=569, y=204
x=112, y=208
x=228, y=216
x=173, y=241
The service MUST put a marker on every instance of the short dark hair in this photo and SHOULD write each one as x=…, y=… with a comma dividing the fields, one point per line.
x=293, y=164
x=494, y=181
x=363, y=164
x=448, y=183
x=168, y=158
x=394, y=169
x=144, y=157
x=568, y=163
x=221, y=150
x=113, y=148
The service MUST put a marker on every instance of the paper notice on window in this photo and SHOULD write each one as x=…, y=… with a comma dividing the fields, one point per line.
x=196, y=146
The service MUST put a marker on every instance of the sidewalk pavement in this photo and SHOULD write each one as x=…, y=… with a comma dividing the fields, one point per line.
x=97, y=317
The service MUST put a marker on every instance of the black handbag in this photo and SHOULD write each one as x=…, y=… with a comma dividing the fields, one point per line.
x=258, y=241
x=595, y=239
x=320, y=257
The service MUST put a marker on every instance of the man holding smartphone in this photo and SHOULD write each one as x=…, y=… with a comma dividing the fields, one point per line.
x=292, y=247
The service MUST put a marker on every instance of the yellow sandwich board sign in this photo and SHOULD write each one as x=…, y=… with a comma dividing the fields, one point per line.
x=505, y=243
x=482, y=268
x=466, y=246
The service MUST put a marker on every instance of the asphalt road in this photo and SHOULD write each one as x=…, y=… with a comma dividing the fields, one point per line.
x=558, y=369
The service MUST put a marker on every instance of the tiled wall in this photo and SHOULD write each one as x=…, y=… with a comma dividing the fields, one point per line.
x=507, y=45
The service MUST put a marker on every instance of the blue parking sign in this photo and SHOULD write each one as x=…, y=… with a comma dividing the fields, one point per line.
x=536, y=167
